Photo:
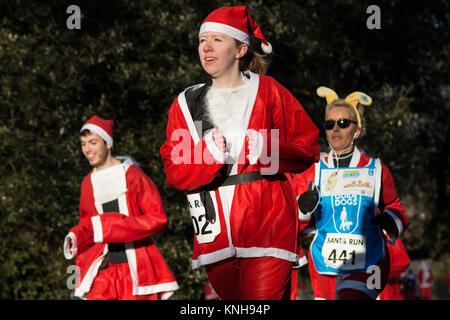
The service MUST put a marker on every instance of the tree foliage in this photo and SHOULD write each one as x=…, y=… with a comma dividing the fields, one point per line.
x=129, y=61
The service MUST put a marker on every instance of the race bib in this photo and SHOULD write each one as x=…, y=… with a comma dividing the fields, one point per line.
x=204, y=230
x=360, y=181
x=344, y=251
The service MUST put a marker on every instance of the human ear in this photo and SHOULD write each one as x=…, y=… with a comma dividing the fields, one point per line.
x=357, y=133
x=242, y=51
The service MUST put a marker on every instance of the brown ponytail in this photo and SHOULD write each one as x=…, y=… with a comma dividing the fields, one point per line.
x=253, y=61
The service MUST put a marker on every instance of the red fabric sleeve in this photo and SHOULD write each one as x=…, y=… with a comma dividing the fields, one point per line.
x=297, y=137
x=83, y=230
x=399, y=259
x=390, y=202
x=188, y=166
x=146, y=214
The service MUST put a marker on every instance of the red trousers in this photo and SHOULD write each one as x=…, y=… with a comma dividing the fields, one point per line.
x=425, y=293
x=114, y=283
x=263, y=278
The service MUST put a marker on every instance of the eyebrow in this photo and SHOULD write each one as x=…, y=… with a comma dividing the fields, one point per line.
x=214, y=35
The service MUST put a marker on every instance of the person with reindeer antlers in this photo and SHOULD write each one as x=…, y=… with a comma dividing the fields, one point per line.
x=349, y=200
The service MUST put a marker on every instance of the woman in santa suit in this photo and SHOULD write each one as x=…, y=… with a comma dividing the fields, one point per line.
x=229, y=143
x=349, y=199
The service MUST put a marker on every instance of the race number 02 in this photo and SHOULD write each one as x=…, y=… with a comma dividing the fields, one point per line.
x=196, y=224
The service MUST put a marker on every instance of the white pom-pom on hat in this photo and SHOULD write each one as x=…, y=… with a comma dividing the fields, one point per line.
x=267, y=48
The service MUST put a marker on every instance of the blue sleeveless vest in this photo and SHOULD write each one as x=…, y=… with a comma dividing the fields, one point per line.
x=346, y=241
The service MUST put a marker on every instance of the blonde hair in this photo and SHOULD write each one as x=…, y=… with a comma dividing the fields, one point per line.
x=252, y=61
x=345, y=104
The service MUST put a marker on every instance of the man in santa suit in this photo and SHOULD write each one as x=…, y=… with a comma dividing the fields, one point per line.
x=425, y=278
x=229, y=143
x=120, y=209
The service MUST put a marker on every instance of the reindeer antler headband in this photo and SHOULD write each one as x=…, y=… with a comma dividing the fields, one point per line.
x=352, y=99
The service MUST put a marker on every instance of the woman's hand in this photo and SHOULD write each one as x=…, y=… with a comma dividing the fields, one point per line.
x=219, y=140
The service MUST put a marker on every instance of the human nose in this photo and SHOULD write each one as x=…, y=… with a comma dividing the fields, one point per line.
x=85, y=148
x=207, y=46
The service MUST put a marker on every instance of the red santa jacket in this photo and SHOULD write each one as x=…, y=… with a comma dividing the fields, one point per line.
x=399, y=262
x=140, y=214
x=253, y=219
x=388, y=200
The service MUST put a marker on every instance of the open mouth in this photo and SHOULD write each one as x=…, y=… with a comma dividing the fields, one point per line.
x=209, y=59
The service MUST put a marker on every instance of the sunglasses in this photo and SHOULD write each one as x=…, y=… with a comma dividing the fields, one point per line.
x=342, y=123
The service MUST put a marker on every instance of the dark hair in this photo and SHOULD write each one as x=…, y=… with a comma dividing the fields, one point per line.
x=86, y=132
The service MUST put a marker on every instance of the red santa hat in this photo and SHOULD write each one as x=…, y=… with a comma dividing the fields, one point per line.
x=102, y=127
x=235, y=22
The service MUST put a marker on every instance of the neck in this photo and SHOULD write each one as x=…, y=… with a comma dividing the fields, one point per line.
x=342, y=152
x=109, y=162
x=229, y=80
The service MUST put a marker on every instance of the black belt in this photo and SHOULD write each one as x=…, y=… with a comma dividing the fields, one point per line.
x=240, y=179
x=116, y=254
x=247, y=177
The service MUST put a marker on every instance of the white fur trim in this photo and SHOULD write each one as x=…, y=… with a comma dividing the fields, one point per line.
x=378, y=181
x=355, y=157
x=397, y=221
x=252, y=252
x=309, y=230
x=225, y=29
x=212, y=257
x=304, y=216
x=302, y=261
x=88, y=279
x=145, y=290
x=266, y=252
x=98, y=130
x=67, y=254
x=108, y=184
x=169, y=288
x=267, y=48
x=97, y=227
